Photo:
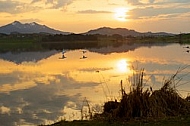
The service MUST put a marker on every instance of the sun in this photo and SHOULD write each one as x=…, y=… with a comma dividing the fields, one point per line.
x=120, y=14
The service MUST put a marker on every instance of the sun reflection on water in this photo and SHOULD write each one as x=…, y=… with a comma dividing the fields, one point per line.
x=122, y=66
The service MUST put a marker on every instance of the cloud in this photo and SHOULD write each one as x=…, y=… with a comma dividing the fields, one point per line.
x=4, y=110
x=54, y=4
x=46, y=100
x=95, y=69
x=35, y=105
x=8, y=78
x=92, y=12
x=8, y=6
x=133, y=2
x=147, y=2
x=15, y=7
x=151, y=1
x=148, y=12
x=35, y=1
x=177, y=1
x=158, y=9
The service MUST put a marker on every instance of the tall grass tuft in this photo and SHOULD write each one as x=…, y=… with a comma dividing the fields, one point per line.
x=141, y=103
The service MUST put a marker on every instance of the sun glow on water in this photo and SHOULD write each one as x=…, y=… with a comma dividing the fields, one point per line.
x=122, y=66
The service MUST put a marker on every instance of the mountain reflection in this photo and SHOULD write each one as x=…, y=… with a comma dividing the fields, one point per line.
x=126, y=47
x=20, y=57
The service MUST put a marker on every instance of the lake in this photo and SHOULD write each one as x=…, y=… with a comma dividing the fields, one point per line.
x=47, y=86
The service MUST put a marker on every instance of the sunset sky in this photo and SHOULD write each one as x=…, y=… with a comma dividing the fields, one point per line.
x=82, y=15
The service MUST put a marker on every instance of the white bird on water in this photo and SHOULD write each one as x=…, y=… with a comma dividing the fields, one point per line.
x=63, y=52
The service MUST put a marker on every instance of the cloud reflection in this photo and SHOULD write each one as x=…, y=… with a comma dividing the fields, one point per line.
x=39, y=103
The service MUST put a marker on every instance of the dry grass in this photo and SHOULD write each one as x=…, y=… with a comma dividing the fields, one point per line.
x=140, y=103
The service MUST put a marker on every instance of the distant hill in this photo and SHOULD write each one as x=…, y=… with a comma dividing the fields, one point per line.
x=124, y=32
x=17, y=27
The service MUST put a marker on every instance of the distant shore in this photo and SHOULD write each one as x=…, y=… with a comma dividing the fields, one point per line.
x=40, y=42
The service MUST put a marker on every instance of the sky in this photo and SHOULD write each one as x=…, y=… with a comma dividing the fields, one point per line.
x=80, y=16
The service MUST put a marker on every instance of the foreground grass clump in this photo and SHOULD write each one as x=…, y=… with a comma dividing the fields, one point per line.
x=140, y=103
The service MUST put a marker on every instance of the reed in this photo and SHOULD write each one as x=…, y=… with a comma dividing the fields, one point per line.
x=141, y=103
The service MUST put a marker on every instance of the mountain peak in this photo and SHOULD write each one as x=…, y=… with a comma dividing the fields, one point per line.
x=28, y=28
x=15, y=23
x=112, y=31
x=124, y=32
x=19, y=23
x=33, y=23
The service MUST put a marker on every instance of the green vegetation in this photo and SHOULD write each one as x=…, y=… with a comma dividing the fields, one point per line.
x=42, y=41
x=175, y=121
x=181, y=38
x=184, y=38
x=19, y=42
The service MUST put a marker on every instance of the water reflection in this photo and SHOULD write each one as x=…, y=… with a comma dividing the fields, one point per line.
x=42, y=89
x=83, y=57
x=18, y=58
x=186, y=49
x=83, y=54
x=123, y=66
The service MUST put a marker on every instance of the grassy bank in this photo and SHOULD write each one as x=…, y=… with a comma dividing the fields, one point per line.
x=177, y=121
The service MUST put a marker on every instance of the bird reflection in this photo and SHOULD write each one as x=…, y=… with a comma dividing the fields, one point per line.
x=186, y=47
x=63, y=54
x=83, y=56
x=63, y=57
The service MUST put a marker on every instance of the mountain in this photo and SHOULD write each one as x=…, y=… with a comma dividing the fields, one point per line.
x=17, y=27
x=124, y=32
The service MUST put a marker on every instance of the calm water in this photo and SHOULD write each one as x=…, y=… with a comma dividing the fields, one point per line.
x=42, y=87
